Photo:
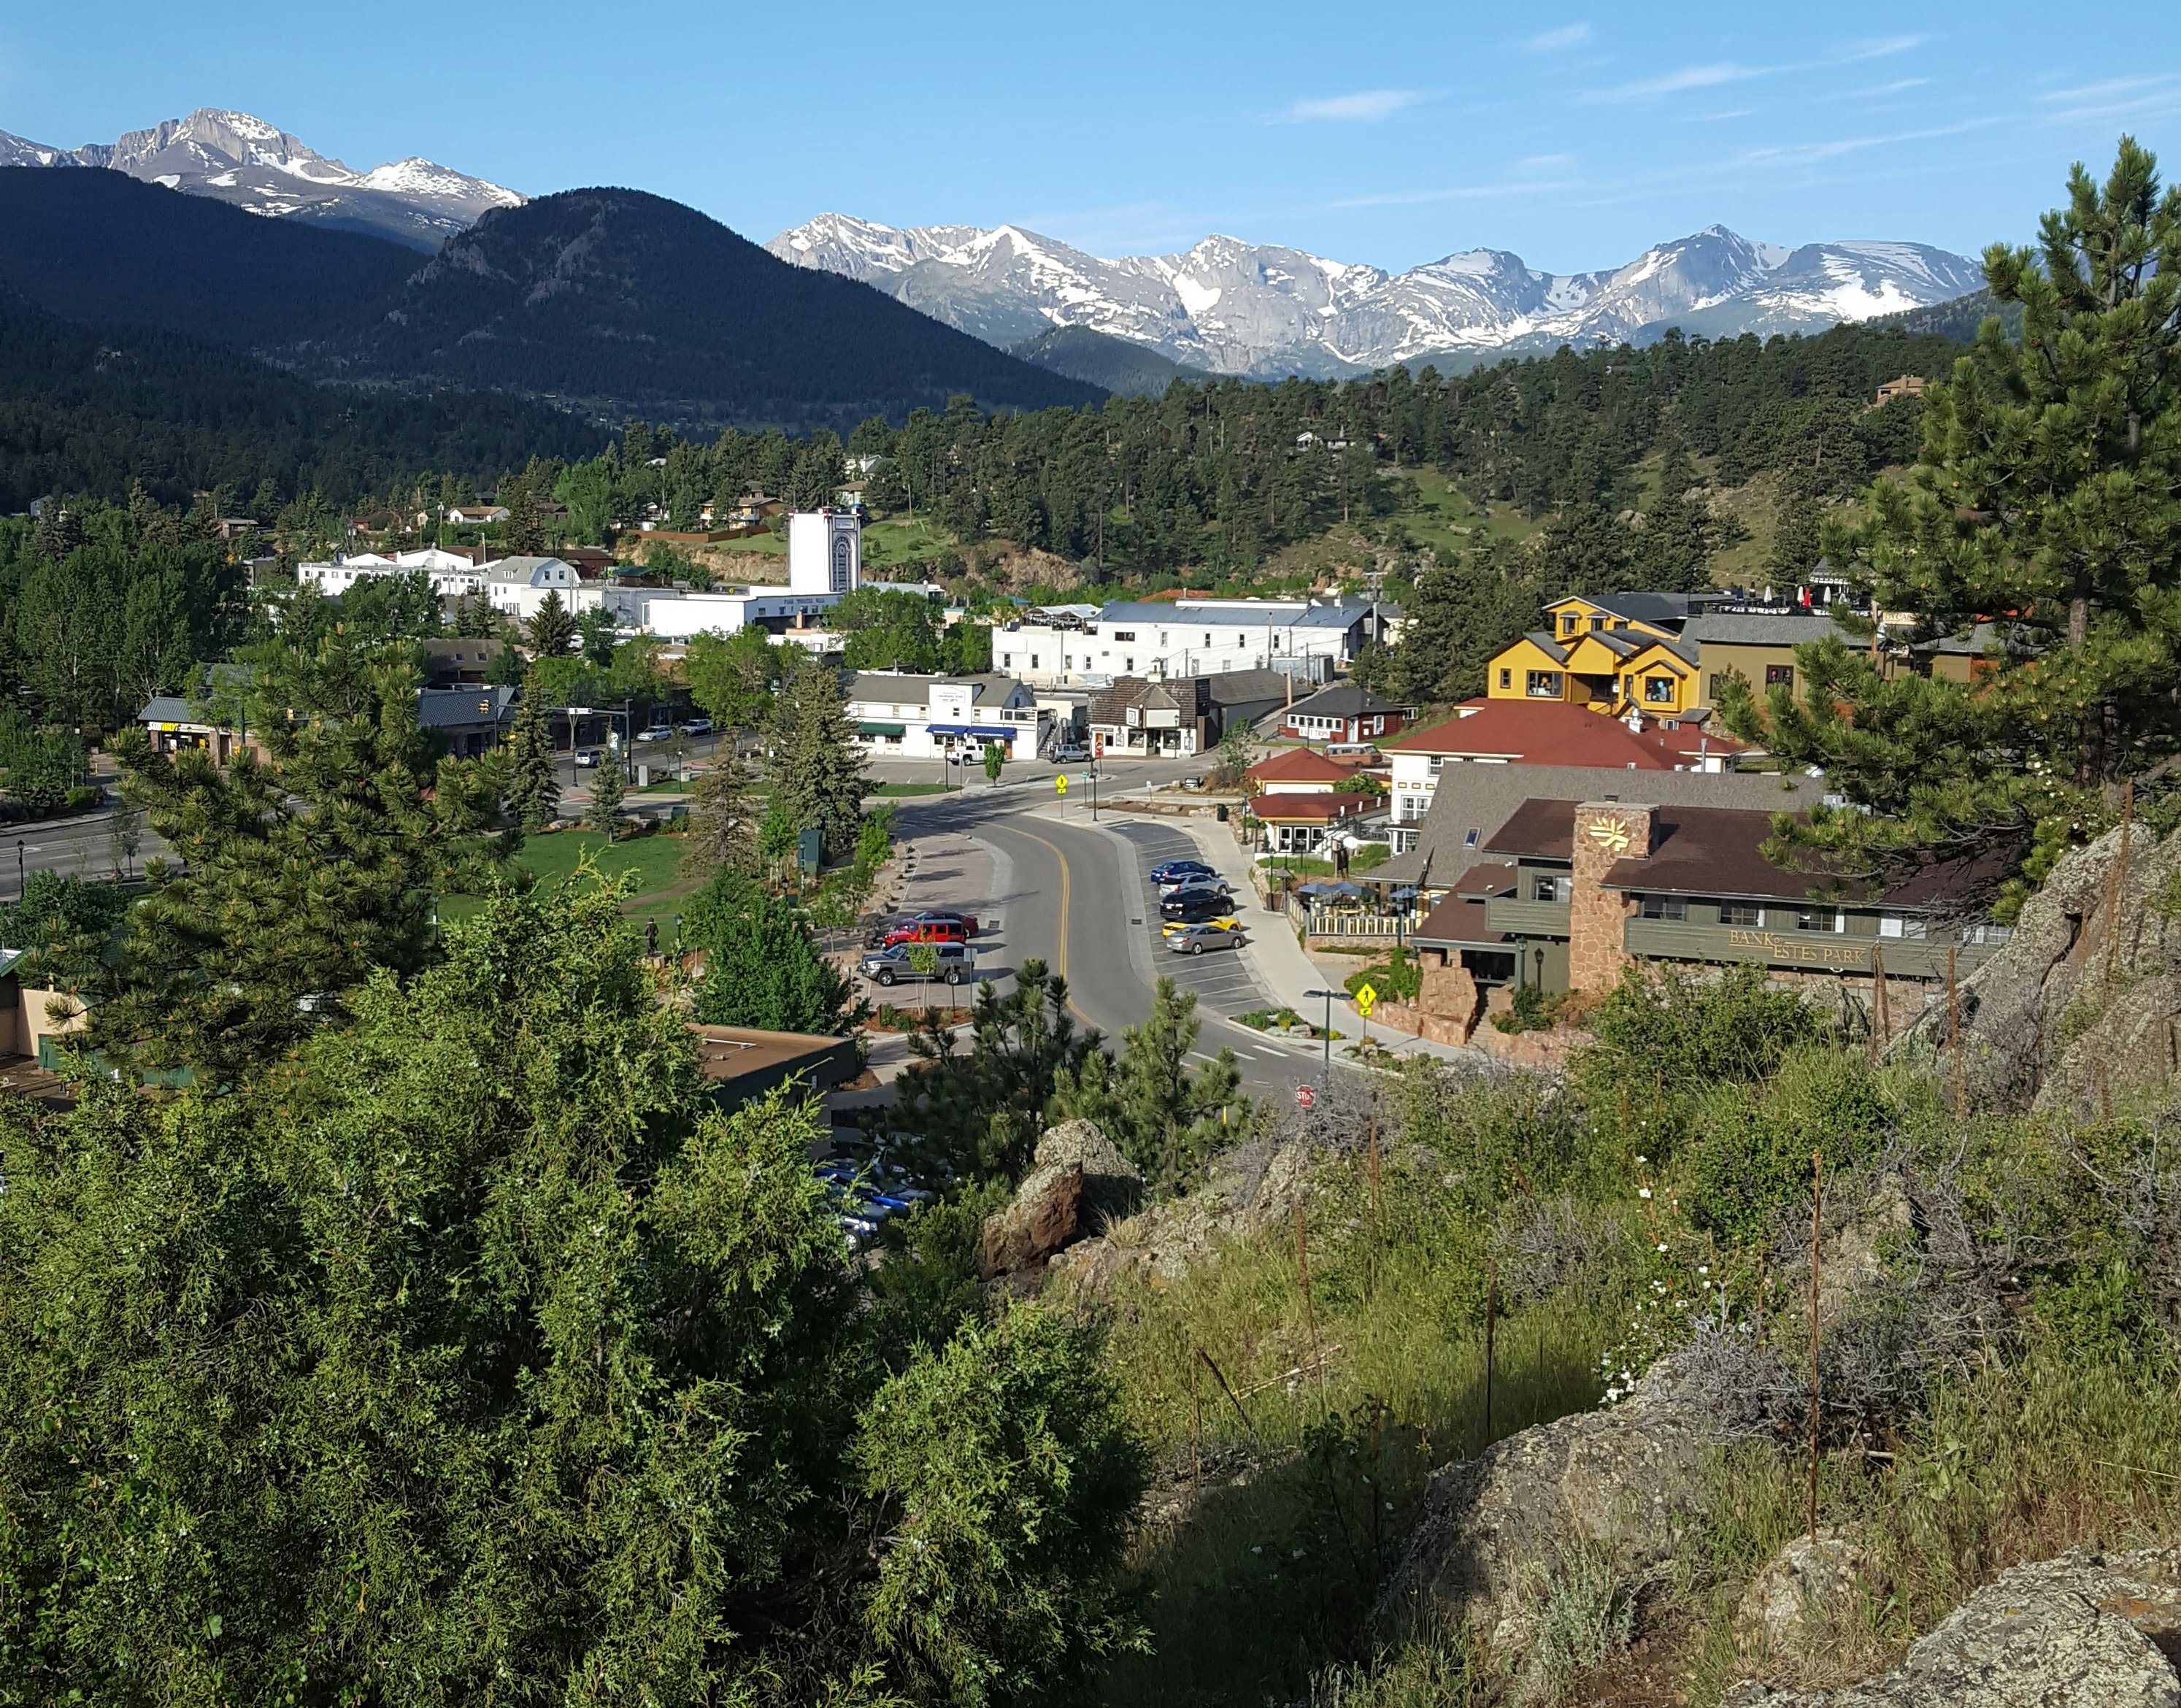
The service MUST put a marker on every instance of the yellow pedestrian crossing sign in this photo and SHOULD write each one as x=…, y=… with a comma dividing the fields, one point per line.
x=1366, y=998
x=1060, y=785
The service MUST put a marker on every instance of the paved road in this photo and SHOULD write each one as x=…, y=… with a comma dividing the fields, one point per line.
x=1077, y=900
x=78, y=848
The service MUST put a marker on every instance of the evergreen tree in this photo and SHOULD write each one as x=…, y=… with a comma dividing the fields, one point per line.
x=550, y=630
x=724, y=816
x=1165, y=1120
x=817, y=769
x=1457, y=616
x=2044, y=495
x=477, y=1349
x=297, y=876
x=761, y=968
x=608, y=790
x=1673, y=551
x=1583, y=550
x=534, y=790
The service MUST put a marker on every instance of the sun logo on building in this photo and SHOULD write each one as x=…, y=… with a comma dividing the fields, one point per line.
x=1611, y=834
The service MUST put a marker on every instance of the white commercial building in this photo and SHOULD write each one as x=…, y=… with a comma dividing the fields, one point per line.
x=517, y=587
x=1158, y=639
x=453, y=575
x=903, y=716
x=824, y=551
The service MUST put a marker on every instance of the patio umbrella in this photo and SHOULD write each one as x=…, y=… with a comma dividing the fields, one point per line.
x=1342, y=888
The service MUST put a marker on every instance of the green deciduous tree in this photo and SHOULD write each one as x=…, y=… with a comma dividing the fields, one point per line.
x=734, y=677
x=2048, y=496
x=761, y=968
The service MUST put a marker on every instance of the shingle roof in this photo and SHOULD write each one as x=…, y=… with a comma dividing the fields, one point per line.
x=1244, y=687
x=1299, y=764
x=1763, y=628
x=1560, y=733
x=1482, y=797
x=1342, y=699
x=1280, y=808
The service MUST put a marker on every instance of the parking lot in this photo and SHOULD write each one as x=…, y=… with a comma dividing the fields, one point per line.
x=1220, y=978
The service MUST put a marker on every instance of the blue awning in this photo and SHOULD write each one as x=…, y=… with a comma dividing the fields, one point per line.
x=980, y=731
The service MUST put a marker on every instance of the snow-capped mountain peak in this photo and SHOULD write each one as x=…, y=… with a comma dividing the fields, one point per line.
x=1264, y=311
x=239, y=158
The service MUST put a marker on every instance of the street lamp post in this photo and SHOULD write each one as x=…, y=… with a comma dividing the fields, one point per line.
x=1328, y=996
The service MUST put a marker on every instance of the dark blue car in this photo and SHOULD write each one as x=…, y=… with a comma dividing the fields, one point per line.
x=1169, y=872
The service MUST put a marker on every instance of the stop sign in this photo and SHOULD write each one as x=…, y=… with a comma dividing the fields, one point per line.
x=1304, y=1098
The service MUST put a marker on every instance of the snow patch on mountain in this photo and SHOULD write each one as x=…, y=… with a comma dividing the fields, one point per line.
x=1263, y=311
x=240, y=158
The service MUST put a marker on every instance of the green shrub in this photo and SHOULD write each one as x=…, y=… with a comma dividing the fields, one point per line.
x=1747, y=1150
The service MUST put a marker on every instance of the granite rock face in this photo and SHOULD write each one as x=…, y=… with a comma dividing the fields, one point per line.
x=2081, y=1631
x=1613, y=1485
x=1787, y=1607
x=2082, y=1004
x=1079, y=1182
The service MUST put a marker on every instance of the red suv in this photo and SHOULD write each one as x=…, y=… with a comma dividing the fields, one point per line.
x=928, y=932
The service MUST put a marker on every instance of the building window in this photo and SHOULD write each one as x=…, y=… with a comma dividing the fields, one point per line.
x=1779, y=675
x=1711, y=694
x=1124, y=634
x=1547, y=886
x=1469, y=838
x=1658, y=690
x=1208, y=640
x=1033, y=661
x=1820, y=919
x=1675, y=908
x=1740, y=914
x=1507, y=678
x=1545, y=684
x=1568, y=621
x=1893, y=926
x=1128, y=664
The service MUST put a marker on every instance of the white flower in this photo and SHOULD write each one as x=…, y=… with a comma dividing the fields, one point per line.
x=1662, y=1248
x=1643, y=1191
x=1703, y=1268
x=1642, y=1159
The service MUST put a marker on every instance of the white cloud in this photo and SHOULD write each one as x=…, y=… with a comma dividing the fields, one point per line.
x=1713, y=76
x=1555, y=41
x=1365, y=106
x=1809, y=153
x=2115, y=98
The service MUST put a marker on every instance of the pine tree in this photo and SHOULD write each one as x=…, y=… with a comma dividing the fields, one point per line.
x=551, y=629
x=1457, y=616
x=2044, y=498
x=1165, y=1120
x=817, y=769
x=607, y=792
x=1673, y=551
x=534, y=792
x=724, y=816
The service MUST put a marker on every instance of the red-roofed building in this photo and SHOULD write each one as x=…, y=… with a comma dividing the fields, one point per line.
x=1554, y=733
x=1298, y=771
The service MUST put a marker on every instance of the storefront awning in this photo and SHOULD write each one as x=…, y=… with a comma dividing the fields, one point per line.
x=895, y=730
x=978, y=731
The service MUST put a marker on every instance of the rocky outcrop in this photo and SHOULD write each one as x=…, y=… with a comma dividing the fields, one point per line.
x=2082, y=1004
x=2083, y=1631
x=1252, y=1187
x=1078, y=1183
x=1790, y=1606
x=1611, y=1486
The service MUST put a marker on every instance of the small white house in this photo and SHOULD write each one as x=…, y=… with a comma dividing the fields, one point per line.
x=518, y=586
x=898, y=715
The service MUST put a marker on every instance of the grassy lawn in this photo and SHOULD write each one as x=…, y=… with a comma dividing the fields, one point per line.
x=655, y=862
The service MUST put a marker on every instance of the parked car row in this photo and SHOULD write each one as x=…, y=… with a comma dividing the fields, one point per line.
x=1197, y=908
x=860, y=1203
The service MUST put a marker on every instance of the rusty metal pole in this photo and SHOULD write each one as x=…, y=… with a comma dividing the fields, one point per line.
x=1817, y=1230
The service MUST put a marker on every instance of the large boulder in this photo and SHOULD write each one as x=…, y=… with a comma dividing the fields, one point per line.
x=1077, y=1184
x=2082, y=1631
x=1791, y=1605
x=1611, y=1486
x=2083, y=1002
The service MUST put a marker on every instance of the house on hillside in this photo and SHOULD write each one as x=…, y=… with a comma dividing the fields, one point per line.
x=1160, y=639
x=1491, y=732
x=476, y=515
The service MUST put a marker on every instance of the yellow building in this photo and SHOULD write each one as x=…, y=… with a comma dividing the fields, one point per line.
x=1607, y=670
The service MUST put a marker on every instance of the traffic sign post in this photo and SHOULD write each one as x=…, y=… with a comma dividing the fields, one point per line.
x=1366, y=998
x=1060, y=784
x=1304, y=1098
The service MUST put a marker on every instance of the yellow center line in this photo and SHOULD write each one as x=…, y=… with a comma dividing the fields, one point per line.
x=1060, y=960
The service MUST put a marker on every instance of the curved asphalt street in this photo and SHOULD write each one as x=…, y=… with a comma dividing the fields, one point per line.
x=1075, y=898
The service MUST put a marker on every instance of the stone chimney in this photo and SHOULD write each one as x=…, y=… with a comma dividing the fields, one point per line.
x=1606, y=833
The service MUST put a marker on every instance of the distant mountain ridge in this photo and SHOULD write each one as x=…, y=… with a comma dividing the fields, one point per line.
x=1263, y=311
x=610, y=303
x=238, y=158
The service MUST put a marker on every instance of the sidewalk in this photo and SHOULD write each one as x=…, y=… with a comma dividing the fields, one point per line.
x=1283, y=967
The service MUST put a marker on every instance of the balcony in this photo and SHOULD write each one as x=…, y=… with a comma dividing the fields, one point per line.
x=1521, y=919
x=1907, y=958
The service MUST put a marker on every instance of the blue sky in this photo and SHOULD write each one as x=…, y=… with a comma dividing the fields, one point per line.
x=1390, y=134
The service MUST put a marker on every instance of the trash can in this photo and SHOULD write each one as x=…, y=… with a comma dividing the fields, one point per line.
x=1223, y=813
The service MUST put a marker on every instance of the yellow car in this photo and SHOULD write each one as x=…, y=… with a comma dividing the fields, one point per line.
x=1225, y=923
